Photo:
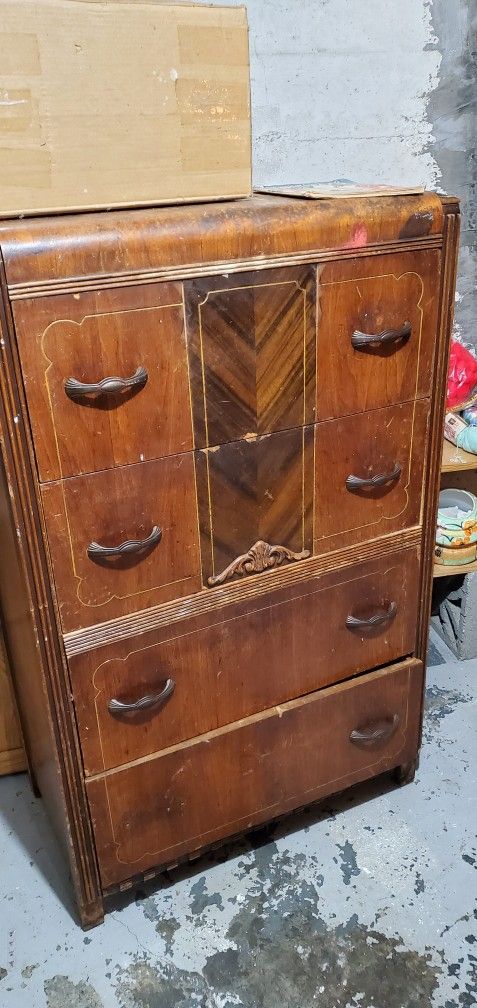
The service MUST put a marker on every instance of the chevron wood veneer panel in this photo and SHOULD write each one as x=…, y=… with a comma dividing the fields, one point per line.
x=252, y=353
x=255, y=490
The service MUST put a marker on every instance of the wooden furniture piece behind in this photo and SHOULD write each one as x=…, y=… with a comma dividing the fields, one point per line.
x=221, y=434
x=12, y=754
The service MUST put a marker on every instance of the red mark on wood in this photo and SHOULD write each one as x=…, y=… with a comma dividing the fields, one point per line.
x=358, y=238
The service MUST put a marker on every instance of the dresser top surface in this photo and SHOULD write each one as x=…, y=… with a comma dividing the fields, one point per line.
x=114, y=242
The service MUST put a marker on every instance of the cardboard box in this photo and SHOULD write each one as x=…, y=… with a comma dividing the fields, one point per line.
x=110, y=104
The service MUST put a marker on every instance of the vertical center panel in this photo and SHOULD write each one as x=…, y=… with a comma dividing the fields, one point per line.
x=252, y=360
x=255, y=504
x=252, y=353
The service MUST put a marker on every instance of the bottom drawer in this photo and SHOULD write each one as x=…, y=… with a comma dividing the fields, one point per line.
x=167, y=806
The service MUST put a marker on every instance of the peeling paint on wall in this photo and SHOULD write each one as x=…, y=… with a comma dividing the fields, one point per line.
x=376, y=92
x=453, y=113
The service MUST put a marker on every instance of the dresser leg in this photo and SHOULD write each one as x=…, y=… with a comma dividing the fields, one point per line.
x=406, y=773
x=91, y=914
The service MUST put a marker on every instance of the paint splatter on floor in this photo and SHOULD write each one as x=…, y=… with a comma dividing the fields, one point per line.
x=367, y=901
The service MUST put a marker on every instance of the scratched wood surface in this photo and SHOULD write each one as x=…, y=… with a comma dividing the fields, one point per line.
x=374, y=297
x=259, y=302
x=225, y=663
x=369, y=445
x=116, y=506
x=252, y=490
x=90, y=337
x=154, y=811
x=140, y=241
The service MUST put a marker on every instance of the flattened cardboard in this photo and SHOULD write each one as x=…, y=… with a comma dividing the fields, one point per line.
x=340, y=190
x=114, y=104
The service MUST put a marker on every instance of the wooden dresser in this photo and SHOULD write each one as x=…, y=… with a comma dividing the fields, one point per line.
x=222, y=431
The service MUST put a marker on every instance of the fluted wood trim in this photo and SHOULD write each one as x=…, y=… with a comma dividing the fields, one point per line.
x=76, y=285
x=441, y=366
x=255, y=586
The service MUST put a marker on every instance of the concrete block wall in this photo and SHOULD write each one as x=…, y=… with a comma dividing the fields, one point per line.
x=372, y=90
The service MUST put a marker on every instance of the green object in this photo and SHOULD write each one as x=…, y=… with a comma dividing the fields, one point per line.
x=467, y=439
x=456, y=519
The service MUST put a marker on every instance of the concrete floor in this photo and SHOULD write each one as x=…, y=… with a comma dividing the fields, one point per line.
x=366, y=902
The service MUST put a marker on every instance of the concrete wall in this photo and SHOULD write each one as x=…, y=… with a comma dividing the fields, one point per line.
x=373, y=90
x=452, y=111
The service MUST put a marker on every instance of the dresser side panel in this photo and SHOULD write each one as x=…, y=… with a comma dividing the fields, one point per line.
x=33, y=644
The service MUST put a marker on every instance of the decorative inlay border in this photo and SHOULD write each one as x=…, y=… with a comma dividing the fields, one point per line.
x=73, y=285
x=137, y=623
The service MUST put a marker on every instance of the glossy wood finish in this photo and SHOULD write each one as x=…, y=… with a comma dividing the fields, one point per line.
x=90, y=337
x=54, y=250
x=255, y=489
x=34, y=651
x=224, y=663
x=252, y=352
x=120, y=259
x=113, y=507
x=373, y=296
x=153, y=811
x=369, y=445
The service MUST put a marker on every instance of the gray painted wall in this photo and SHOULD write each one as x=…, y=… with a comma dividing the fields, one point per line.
x=373, y=90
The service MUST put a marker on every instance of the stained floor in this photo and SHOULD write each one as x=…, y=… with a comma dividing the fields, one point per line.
x=368, y=901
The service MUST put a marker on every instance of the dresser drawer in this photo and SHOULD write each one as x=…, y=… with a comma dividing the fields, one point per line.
x=388, y=446
x=127, y=507
x=377, y=331
x=134, y=336
x=155, y=812
x=219, y=665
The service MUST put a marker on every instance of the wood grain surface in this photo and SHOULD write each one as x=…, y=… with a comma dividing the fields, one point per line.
x=91, y=337
x=268, y=555
x=153, y=811
x=368, y=445
x=60, y=248
x=255, y=655
x=373, y=296
x=252, y=353
x=255, y=489
x=113, y=507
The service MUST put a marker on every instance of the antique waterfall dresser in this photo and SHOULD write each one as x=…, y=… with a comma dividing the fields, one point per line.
x=221, y=439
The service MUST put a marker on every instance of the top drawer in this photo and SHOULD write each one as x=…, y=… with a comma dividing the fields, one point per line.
x=377, y=324
x=89, y=337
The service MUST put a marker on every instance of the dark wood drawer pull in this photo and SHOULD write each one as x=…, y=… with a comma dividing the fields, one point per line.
x=144, y=703
x=359, y=483
x=375, y=734
x=129, y=548
x=77, y=390
x=360, y=340
x=353, y=622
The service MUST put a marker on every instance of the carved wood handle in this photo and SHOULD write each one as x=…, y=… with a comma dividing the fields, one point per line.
x=376, y=733
x=360, y=483
x=129, y=548
x=77, y=390
x=148, y=702
x=353, y=622
x=359, y=340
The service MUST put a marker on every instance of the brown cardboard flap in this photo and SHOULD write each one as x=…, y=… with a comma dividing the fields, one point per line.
x=121, y=104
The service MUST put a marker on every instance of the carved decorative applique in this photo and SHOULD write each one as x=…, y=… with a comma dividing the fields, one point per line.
x=260, y=557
